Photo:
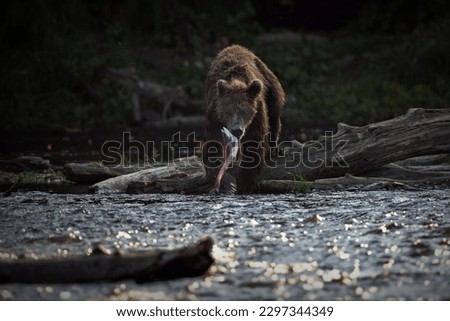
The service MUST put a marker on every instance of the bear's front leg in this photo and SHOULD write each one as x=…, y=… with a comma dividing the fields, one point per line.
x=250, y=166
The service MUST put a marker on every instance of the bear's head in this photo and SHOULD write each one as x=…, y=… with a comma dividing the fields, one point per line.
x=237, y=104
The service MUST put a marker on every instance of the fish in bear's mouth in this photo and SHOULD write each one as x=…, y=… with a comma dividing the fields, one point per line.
x=230, y=153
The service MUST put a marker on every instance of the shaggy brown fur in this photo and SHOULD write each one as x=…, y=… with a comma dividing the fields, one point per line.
x=243, y=95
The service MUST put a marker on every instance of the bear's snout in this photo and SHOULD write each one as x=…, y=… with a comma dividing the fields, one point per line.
x=237, y=133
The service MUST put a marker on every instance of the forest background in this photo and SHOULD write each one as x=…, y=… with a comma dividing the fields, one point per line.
x=339, y=61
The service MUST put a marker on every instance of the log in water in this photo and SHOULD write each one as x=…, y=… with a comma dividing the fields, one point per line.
x=140, y=266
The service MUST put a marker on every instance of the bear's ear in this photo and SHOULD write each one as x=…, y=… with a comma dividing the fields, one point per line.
x=254, y=88
x=221, y=86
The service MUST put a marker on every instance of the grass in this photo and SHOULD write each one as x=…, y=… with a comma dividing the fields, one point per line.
x=301, y=184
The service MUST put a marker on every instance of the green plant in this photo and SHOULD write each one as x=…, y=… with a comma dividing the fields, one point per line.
x=301, y=184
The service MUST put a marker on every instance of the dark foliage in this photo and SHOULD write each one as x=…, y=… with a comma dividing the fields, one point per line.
x=354, y=61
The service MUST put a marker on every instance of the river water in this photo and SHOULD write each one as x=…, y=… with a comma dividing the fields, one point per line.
x=349, y=245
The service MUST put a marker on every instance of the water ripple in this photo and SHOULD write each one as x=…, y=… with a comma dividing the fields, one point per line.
x=372, y=245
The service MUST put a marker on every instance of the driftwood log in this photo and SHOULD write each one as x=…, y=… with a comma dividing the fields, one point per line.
x=357, y=150
x=140, y=266
x=88, y=173
x=334, y=159
x=139, y=89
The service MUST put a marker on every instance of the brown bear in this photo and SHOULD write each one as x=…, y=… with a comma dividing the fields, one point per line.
x=243, y=95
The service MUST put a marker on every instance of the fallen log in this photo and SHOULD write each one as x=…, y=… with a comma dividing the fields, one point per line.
x=25, y=163
x=178, y=176
x=167, y=97
x=88, y=173
x=140, y=266
x=349, y=181
x=354, y=151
